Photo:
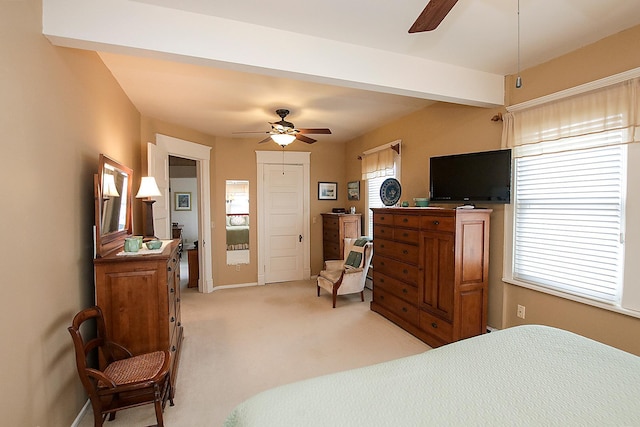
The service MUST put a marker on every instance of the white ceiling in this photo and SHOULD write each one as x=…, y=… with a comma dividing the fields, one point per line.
x=219, y=96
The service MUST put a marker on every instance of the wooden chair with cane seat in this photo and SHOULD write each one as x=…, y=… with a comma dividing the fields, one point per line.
x=124, y=380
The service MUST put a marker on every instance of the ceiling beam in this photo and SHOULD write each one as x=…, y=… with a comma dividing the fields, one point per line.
x=136, y=28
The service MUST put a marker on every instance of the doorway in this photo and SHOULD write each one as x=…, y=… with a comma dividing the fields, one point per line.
x=183, y=215
x=158, y=166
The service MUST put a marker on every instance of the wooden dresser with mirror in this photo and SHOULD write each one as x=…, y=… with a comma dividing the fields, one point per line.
x=138, y=294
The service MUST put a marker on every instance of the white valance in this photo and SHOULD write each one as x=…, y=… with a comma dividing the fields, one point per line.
x=380, y=161
x=614, y=109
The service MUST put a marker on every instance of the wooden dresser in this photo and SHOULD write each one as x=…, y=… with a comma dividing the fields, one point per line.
x=335, y=228
x=140, y=298
x=430, y=271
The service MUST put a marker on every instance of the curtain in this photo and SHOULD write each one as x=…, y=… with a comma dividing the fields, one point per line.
x=613, y=108
x=378, y=164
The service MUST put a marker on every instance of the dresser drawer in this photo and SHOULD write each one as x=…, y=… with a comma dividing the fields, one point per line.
x=400, y=270
x=409, y=221
x=382, y=232
x=383, y=218
x=436, y=326
x=438, y=223
x=331, y=222
x=406, y=235
x=397, y=306
x=331, y=250
x=332, y=234
x=396, y=287
x=400, y=251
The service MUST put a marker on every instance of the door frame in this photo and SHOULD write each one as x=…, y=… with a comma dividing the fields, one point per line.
x=201, y=154
x=279, y=158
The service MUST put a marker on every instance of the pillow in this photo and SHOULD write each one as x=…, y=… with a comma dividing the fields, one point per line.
x=355, y=257
x=238, y=220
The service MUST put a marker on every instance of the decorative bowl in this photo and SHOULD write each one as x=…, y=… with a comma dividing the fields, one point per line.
x=421, y=202
x=153, y=244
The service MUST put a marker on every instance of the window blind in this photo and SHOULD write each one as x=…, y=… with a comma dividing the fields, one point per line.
x=373, y=199
x=568, y=217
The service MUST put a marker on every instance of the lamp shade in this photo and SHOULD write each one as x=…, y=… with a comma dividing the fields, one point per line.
x=283, y=138
x=148, y=188
x=109, y=186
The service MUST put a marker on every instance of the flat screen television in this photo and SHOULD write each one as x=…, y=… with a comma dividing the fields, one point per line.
x=483, y=177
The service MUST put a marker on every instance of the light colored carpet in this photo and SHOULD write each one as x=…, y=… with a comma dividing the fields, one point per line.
x=241, y=341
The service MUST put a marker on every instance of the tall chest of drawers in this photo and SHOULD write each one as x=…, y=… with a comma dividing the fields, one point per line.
x=430, y=271
x=140, y=299
x=335, y=228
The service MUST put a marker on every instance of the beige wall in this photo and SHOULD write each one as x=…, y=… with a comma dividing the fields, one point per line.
x=60, y=109
x=607, y=57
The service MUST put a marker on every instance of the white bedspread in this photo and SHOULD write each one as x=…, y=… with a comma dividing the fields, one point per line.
x=527, y=375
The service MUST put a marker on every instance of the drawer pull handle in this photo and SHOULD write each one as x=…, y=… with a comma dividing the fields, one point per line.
x=405, y=220
x=179, y=323
x=172, y=290
x=405, y=252
x=173, y=319
x=169, y=269
x=382, y=246
x=381, y=297
x=434, y=325
x=436, y=222
x=381, y=262
x=381, y=280
x=405, y=234
x=173, y=348
x=405, y=291
x=405, y=271
x=404, y=309
x=381, y=218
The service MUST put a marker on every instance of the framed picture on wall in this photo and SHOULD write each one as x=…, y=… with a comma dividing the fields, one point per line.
x=353, y=190
x=327, y=191
x=183, y=201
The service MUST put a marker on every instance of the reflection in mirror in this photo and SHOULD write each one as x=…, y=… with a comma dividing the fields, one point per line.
x=113, y=205
x=237, y=222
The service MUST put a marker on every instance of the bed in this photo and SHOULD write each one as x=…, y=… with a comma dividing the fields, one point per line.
x=526, y=375
x=237, y=232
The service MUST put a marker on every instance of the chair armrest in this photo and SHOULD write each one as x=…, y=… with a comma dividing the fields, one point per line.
x=333, y=264
x=351, y=270
x=100, y=377
x=118, y=351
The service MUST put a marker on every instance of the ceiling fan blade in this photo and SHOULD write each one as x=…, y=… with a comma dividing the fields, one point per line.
x=432, y=15
x=305, y=139
x=317, y=131
x=267, y=139
x=257, y=131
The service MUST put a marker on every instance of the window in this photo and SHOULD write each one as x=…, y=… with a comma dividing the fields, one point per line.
x=567, y=220
x=378, y=164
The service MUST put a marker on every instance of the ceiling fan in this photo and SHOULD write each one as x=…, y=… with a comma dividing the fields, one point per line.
x=432, y=15
x=284, y=132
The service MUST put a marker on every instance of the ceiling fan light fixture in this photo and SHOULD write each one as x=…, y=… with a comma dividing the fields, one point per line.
x=283, y=139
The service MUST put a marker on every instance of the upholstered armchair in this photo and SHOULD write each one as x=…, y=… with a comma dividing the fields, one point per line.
x=349, y=275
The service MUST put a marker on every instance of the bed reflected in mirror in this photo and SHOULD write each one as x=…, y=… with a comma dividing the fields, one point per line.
x=237, y=222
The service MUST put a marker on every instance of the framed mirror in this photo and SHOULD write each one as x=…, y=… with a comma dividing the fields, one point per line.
x=113, y=204
x=237, y=221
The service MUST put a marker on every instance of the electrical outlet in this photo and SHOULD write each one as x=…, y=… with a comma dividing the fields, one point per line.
x=520, y=312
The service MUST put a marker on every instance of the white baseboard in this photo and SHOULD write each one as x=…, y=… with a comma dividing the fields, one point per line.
x=83, y=411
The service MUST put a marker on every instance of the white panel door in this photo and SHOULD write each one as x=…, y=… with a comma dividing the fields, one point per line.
x=284, y=214
x=158, y=167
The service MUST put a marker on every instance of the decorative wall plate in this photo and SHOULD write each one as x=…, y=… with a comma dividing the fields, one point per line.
x=390, y=191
